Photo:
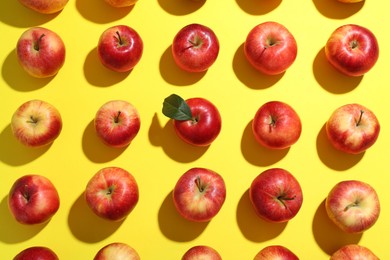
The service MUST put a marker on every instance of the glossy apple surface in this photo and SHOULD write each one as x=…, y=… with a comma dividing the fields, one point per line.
x=117, y=251
x=352, y=49
x=36, y=123
x=41, y=52
x=352, y=128
x=276, y=125
x=201, y=252
x=36, y=253
x=120, y=48
x=121, y=3
x=275, y=252
x=353, y=206
x=117, y=123
x=196, y=120
x=112, y=193
x=33, y=199
x=270, y=48
x=45, y=6
x=195, y=48
x=199, y=194
x=276, y=195
x=353, y=252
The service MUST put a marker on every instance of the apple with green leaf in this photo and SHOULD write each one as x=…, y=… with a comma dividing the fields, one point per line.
x=197, y=121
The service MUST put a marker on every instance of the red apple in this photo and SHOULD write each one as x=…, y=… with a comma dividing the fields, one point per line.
x=121, y=3
x=195, y=48
x=45, y=6
x=270, y=48
x=353, y=206
x=276, y=195
x=199, y=194
x=112, y=193
x=36, y=253
x=36, y=123
x=33, y=199
x=276, y=125
x=40, y=52
x=118, y=251
x=275, y=252
x=117, y=123
x=201, y=252
x=120, y=48
x=353, y=252
x=196, y=120
x=352, y=49
x=352, y=128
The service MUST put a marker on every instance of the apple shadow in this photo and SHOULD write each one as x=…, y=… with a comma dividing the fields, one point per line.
x=13, y=232
x=253, y=227
x=174, y=226
x=18, y=79
x=100, y=12
x=15, y=14
x=257, y=154
x=166, y=138
x=330, y=79
x=327, y=235
x=86, y=226
x=337, y=10
x=332, y=157
x=95, y=150
x=98, y=75
x=258, y=7
x=174, y=75
x=179, y=7
x=248, y=75
x=16, y=154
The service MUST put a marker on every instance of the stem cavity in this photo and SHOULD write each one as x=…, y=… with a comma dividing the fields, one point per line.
x=38, y=42
x=119, y=38
x=199, y=184
x=360, y=118
x=116, y=119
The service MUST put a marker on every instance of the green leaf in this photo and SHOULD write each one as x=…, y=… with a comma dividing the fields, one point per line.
x=176, y=108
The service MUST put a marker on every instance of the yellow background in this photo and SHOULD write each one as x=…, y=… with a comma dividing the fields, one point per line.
x=157, y=157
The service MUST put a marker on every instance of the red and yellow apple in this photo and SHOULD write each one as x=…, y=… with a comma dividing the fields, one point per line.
x=353, y=251
x=117, y=250
x=36, y=253
x=40, y=52
x=353, y=206
x=45, y=6
x=33, y=199
x=201, y=252
x=121, y=3
x=36, y=123
x=275, y=252
x=117, y=123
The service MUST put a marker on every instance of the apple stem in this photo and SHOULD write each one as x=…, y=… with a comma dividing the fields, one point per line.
x=26, y=194
x=109, y=191
x=354, y=44
x=199, y=184
x=116, y=120
x=196, y=42
x=37, y=43
x=119, y=38
x=283, y=197
x=354, y=204
x=32, y=120
x=360, y=118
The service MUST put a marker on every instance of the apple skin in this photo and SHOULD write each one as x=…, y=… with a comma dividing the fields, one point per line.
x=270, y=48
x=205, y=125
x=33, y=199
x=195, y=48
x=352, y=50
x=199, y=194
x=275, y=252
x=352, y=128
x=353, y=206
x=117, y=250
x=112, y=193
x=40, y=52
x=36, y=253
x=276, y=195
x=45, y=6
x=353, y=252
x=276, y=125
x=117, y=123
x=121, y=3
x=120, y=48
x=201, y=252
x=350, y=1
x=36, y=123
